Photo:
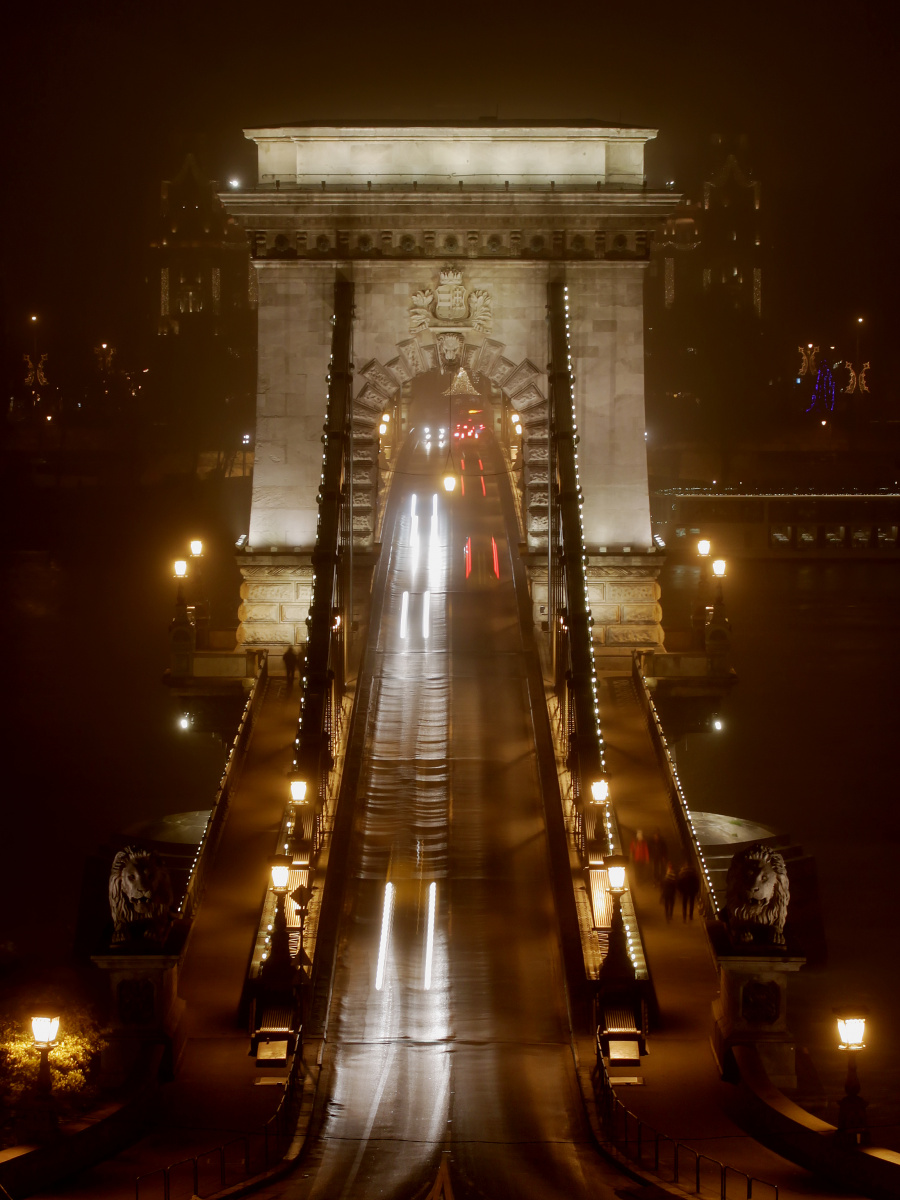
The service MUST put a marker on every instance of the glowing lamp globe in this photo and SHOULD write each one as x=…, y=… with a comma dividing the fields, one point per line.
x=616, y=878
x=514, y=417
x=298, y=791
x=44, y=1030
x=279, y=876
x=719, y=568
x=851, y=1023
x=386, y=418
x=180, y=568
x=382, y=429
x=600, y=791
x=196, y=547
x=703, y=547
x=449, y=482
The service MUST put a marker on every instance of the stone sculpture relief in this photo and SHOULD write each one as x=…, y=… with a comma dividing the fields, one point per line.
x=450, y=306
x=140, y=899
x=757, y=895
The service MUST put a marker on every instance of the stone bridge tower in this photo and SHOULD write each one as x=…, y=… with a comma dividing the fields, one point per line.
x=451, y=235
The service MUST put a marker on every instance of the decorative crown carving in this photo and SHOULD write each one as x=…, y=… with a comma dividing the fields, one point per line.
x=450, y=306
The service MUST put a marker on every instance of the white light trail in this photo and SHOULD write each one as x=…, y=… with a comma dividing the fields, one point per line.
x=434, y=507
x=414, y=531
x=404, y=614
x=386, y=918
x=429, y=944
x=426, y=606
x=412, y=507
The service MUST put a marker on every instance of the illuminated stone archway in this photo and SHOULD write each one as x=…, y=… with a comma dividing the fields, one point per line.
x=521, y=385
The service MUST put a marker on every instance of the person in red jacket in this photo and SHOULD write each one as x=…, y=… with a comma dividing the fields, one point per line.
x=640, y=856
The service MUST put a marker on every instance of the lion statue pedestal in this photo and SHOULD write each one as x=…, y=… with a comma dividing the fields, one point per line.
x=754, y=963
x=146, y=1010
x=145, y=1015
x=752, y=1010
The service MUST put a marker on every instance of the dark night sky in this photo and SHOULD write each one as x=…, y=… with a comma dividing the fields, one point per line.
x=103, y=100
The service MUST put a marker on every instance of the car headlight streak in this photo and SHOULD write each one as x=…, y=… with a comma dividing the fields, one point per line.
x=387, y=917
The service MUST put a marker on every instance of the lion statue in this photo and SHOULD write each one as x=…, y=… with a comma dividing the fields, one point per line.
x=757, y=893
x=140, y=897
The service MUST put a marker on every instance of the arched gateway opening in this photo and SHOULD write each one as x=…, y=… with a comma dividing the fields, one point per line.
x=411, y=387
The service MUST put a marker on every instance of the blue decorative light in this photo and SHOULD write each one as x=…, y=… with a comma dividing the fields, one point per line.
x=823, y=392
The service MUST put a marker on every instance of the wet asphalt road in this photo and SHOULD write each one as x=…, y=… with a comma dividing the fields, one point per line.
x=448, y=1035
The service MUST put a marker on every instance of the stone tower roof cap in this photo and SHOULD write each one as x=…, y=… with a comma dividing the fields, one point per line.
x=477, y=153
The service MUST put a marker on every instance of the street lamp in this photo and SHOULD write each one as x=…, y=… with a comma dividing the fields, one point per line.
x=851, y=1022
x=615, y=869
x=703, y=547
x=196, y=548
x=600, y=790
x=449, y=481
x=718, y=569
x=298, y=791
x=44, y=1031
x=180, y=568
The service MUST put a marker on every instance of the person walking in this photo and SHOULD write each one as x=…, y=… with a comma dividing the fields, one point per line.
x=659, y=855
x=290, y=666
x=640, y=856
x=667, y=890
x=688, y=889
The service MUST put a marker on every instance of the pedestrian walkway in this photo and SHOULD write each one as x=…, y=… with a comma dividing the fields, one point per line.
x=219, y=1092
x=682, y=1095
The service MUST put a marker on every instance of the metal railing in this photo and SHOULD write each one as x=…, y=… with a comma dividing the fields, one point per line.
x=209, y=842
x=234, y=1161
x=681, y=813
x=671, y=1160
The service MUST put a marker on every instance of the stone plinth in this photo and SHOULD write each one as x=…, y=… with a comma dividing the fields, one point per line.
x=146, y=1012
x=624, y=597
x=752, y=1010
x=275, y=599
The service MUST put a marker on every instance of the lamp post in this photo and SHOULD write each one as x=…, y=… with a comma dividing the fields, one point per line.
x=600, y=791
x=44, y=1031
x=617, y=966
x=699, y=615
x=277, y=968
x=201, y=604
x=718, y=569
x=851, y=1023
x=301, y=896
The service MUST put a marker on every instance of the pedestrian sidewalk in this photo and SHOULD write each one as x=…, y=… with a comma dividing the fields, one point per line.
x=219, y=1092
x=682, y=1094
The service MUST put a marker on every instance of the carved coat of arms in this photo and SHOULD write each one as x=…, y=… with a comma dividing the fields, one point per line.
x=451, y=306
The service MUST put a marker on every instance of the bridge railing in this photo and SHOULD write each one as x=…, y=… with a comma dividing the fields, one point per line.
x=209, y=842
x=681, y=813
x=244, y=1157
x=637, y=1142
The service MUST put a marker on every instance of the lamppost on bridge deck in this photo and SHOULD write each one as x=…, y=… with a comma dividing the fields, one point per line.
x=852, y=1126
x=278, y=967
x=617, y=969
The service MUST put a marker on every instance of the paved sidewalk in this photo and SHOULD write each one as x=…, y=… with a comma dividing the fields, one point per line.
x=217, y=1094
x=683, y=1095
